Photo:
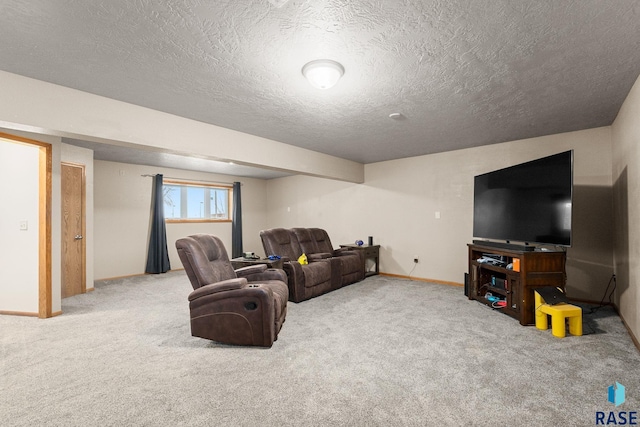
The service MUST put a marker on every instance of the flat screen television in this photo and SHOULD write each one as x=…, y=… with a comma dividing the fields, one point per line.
x=529, y=203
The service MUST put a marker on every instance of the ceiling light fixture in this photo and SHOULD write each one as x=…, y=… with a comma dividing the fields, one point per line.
x=323, y=73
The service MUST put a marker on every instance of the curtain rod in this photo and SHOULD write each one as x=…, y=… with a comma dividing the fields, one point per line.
x=189, y=179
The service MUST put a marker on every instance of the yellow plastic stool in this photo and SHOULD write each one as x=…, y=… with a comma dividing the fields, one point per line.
x=559, y=313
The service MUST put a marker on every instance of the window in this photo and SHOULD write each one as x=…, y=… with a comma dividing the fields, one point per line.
x=190, y=201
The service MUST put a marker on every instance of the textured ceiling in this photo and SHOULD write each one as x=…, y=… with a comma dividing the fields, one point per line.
x=462, y=73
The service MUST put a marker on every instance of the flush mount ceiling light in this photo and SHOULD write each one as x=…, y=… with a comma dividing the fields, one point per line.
x=323, y=73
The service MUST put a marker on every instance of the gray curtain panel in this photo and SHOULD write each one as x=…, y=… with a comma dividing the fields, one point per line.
x=236, y=225
x=158, y=255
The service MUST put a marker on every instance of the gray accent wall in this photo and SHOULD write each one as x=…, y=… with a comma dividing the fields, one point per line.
x=626, y=202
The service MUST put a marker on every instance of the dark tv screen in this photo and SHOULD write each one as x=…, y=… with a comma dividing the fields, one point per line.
x=530, y=202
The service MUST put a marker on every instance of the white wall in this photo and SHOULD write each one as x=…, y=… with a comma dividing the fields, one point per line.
x=626, y=177
x=398, y=201
x=56, y=216
x=28, y=167
x=19, y=183
x=123, y=209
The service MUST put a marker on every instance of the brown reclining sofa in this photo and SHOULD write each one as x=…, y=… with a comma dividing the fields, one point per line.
x=328, y=268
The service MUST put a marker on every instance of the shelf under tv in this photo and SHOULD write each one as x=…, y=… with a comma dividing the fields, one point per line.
x=536, y=269
x=525, y=247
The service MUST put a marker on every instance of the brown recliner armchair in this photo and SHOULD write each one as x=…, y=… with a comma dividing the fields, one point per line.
x=305, y=281
x=243, y=307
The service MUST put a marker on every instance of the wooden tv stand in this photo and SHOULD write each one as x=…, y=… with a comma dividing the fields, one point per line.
x=537, y=269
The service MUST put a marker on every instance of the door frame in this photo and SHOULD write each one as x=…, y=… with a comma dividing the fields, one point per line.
x=45, y=301
x=83, y=202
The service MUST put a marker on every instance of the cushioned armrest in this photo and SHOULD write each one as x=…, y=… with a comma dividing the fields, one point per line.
x=225, y=285
x=270, y=274
x=266, y=274
x=322, y=255
x=251, y=269
x=345, y=251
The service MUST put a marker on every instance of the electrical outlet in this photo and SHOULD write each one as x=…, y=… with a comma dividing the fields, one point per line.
x=415, y=260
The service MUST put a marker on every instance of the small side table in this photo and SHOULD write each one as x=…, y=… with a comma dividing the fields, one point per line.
x=240, y=262
x=370, y=253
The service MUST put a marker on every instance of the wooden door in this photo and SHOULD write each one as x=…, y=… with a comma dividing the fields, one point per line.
x=73, y=229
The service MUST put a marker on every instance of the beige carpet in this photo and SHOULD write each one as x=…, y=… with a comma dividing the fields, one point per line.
x=382, y=352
